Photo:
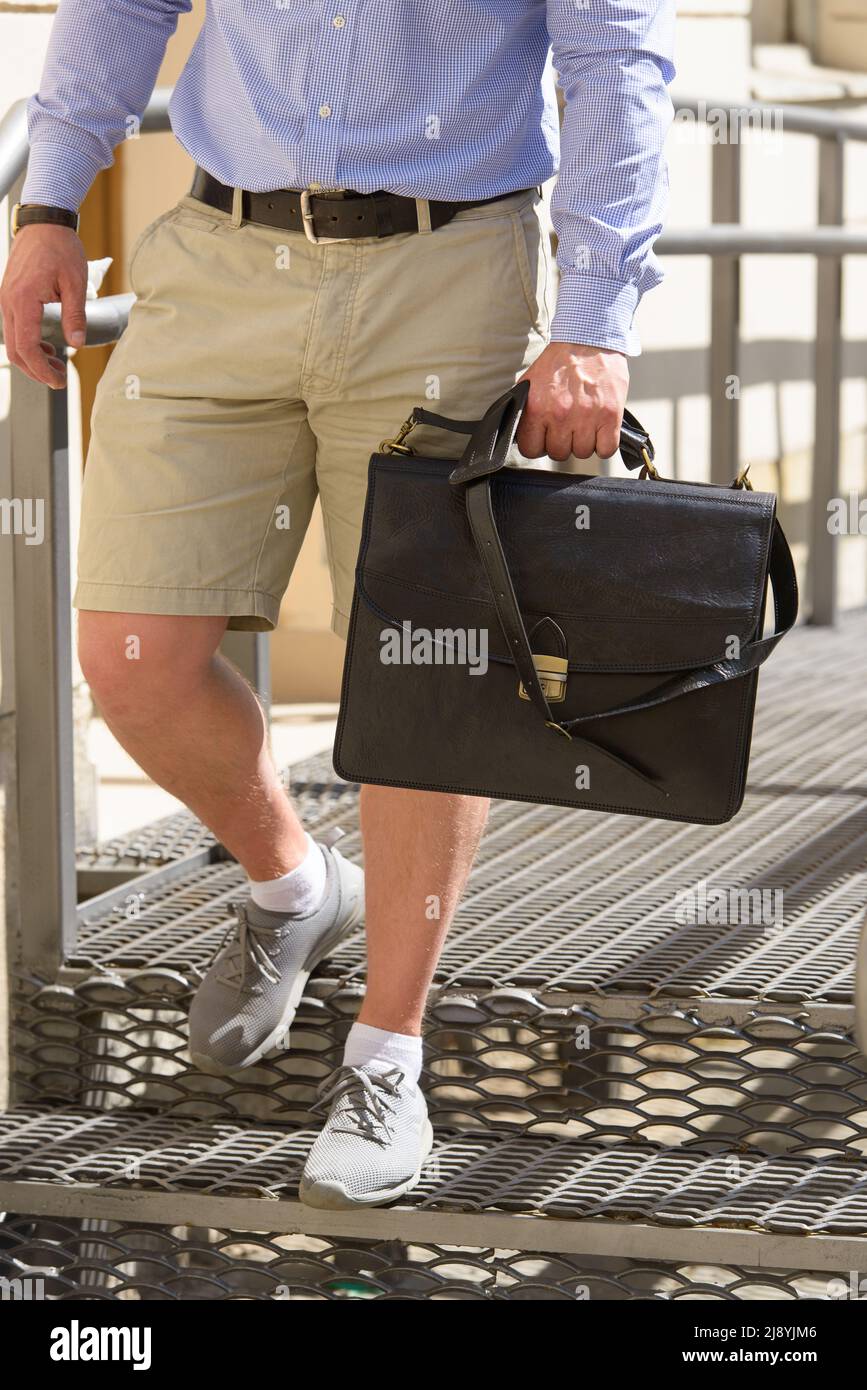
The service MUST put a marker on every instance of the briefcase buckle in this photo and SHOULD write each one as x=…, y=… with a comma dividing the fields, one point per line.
x=396, y=445
x=552, y=672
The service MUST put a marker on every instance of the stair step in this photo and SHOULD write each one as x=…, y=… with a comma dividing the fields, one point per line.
x=547, y=1063
x=518, y=1192
x=787, y=72
x=72, y=1258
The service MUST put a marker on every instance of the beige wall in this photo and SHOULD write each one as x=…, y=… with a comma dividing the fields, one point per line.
x=841, y=33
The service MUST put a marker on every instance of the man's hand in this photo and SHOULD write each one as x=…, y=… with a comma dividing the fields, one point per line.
x=576, y=401
x=47, y=264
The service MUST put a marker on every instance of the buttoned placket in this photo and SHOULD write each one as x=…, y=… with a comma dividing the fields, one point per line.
x=330, y=72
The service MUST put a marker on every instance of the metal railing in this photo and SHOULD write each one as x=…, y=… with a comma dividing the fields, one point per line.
x=47, y=891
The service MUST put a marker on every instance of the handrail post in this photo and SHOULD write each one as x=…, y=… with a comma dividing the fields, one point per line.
x=828, y=374
x=725, y=318
x=42, y=624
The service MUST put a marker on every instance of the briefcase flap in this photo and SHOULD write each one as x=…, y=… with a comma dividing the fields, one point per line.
x=639, y=575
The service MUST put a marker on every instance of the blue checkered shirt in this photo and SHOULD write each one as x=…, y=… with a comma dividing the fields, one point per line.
x=447, y=99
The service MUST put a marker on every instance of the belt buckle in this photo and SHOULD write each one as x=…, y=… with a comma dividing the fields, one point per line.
x=307, y=223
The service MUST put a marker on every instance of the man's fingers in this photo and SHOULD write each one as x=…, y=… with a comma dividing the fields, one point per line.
x=584, y=440
x=531, y=437
x=608, y=433
x=558, y=443
x=28, y=353
x=72, y=313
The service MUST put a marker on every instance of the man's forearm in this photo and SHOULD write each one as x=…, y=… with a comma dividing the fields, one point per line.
x=102, y=63
x=614, y=62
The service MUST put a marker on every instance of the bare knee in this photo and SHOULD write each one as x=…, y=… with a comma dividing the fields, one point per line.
x=134, y=661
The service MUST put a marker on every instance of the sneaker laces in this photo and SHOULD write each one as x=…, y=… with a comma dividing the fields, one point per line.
x=367, y=1105
x=246, y=950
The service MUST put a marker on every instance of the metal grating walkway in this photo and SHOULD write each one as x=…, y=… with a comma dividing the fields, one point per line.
x=161, y=1164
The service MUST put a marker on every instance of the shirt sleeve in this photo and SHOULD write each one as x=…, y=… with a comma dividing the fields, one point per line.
x=614, y=61
x=102, y=63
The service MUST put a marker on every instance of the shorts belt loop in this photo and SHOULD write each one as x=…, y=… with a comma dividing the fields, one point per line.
x=237, y=206
x=422, y=212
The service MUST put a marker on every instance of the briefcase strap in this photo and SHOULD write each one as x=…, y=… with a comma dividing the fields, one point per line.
x=485, y=454
x=784, y=583
x=487, y=538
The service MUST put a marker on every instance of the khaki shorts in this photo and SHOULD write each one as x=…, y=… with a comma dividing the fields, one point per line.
x=259, y=371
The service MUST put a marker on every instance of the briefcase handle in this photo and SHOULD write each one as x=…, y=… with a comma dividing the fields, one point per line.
x=493, y=435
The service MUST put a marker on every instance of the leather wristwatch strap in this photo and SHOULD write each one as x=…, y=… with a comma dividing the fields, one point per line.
x=31, y=214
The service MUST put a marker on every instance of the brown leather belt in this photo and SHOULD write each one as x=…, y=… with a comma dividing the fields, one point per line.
x=335, y=217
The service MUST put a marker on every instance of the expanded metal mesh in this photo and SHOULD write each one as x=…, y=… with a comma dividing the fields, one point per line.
x=503, y=1060
x=590, y=903
x=476, y=1173
x=75, y=1260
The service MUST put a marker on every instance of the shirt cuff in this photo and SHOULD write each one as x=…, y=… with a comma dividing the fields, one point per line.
x=58, y=176
x=597, y=313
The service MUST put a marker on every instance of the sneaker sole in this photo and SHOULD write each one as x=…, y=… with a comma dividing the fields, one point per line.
x=332, y=1196
x=277, y=1035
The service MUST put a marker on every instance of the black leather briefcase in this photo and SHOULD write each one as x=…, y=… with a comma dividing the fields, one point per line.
x=540, y=636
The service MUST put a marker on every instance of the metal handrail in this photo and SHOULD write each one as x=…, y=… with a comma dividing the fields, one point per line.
x=795, y=120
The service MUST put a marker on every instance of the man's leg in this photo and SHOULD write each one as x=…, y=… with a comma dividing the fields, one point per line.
x=194, y=725
x=418, y=851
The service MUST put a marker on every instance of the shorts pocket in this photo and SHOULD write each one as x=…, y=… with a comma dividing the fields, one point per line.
x=533, y=256
x=201, y=217
x=144, y=237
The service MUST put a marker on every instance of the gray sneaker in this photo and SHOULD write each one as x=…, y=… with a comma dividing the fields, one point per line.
x=246, y=1002
x=374, y=1143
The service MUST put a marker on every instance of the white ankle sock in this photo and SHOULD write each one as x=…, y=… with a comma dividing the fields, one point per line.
x=380, y=1050
x=298, y=892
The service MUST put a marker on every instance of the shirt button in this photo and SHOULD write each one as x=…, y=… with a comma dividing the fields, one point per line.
x=338, y=21
x=325, y=111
